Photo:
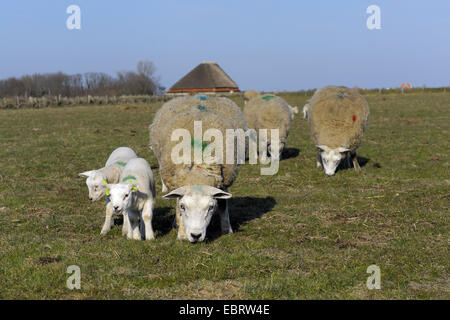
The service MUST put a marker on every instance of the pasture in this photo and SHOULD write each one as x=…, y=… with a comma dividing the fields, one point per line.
x=298, y=234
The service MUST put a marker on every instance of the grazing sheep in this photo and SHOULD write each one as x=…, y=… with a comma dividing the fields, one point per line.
x=219, y=105
x=270, y=112
x=338, y=118
x=135, y=195
x=249, y=95
x=110, y=173
x=200, y=188
x=305, y=111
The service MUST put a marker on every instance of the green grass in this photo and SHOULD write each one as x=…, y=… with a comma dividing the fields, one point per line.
x=299, y=234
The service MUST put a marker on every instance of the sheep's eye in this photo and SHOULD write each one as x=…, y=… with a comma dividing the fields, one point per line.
x=211, y=207
x=125, y=196
x=182, y=207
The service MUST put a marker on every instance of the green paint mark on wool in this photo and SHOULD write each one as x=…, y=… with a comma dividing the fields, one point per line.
x=268, y=97
x=198, y=144
x=129, y=178
x=121, y=163
x=202, y=108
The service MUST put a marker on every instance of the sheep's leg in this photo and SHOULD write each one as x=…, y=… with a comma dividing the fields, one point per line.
x=224, y=216
x=133, y=230
x=355, y=161
x=125, y=224
x=107, y=224
x=147, y=214
x=181, y=228
x=163, y=188
x=319, y=160
x=348, y=158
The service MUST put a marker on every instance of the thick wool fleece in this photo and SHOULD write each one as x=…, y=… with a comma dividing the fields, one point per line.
x=268, y=111
x=177, y=175
x=338, y=117
x=219, y=105
x=250, y=94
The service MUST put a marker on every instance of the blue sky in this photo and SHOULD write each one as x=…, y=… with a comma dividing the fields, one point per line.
x=263, y=45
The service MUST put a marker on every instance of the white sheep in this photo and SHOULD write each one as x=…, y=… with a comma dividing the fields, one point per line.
x=337, y=117
x=135, y=195
x=110, y=173
x=200, y=188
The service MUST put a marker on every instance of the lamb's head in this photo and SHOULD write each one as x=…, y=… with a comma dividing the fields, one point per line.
x=294, y=111
x=95, y=183
x=331, y=158
x=121, y=195
x=197, y=205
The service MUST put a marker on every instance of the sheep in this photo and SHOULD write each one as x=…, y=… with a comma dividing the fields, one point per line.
x=219, y=105
x=200, y=188
x=337, y=118
x=250, y=94
x=110, y=173
x=305, y=111
x=135, y=196
x=270, y=112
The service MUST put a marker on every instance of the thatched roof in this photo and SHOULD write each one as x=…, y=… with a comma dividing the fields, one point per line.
x=206, y=77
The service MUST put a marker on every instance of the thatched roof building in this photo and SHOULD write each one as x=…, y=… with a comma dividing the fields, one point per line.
x=207, y=77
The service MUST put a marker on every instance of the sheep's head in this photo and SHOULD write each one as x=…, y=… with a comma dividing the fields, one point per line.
x=294, y=111
x=121, y=195
x=331, y=158
x=197, y=204
x=95, y=184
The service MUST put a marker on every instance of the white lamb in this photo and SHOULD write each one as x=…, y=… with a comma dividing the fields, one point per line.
x=97, y=179
x=135, y=196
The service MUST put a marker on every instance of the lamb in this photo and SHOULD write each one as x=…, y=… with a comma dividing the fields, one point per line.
x=135, y=196
x=110, y=173
x=200, y=188
x=219, y=105
x=270, y=112
x=337, y=118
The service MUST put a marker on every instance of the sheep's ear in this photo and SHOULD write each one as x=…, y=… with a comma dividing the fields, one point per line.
x=216, y=193
x=177, y=193
x=86, y=174
x=342, y=149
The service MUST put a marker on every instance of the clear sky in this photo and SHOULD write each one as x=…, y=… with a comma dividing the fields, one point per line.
x=263, y=45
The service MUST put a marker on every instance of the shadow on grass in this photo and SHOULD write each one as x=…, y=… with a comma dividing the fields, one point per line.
x=242, y=210
x=345, y=166
x=289, y=153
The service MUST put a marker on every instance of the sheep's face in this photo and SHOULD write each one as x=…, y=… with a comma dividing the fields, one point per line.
x=275, y=149
x=331, y=158
x=95, y=184
x=121, y=195
x=197, y=205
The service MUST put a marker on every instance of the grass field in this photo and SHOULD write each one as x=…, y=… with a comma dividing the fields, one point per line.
x=298, y=234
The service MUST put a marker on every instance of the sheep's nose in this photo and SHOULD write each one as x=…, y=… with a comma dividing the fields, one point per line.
x=116, y=208
x=196, y=236
x=90, y=198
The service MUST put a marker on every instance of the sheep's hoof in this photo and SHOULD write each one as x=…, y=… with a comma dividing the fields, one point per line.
x=319, y=165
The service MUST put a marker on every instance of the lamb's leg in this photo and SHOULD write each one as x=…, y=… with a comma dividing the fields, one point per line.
x=125, y=224
x=224, y=216
x=133, y=230
x=107, y=224
x=355, y=161
x=163, y=188
x=147, y=214
x=181, y=228
x=319, y=160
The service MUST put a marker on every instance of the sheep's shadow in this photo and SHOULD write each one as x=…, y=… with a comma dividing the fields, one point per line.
x=162, y=221
x=345, y=166
x=289, y=153
x=241, y=210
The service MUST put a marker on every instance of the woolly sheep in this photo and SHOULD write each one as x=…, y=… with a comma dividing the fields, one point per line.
x=200, y=188
x=110, y=173
x=270, y=112
x=338, y=118
x=250, y=94
x=219, y=105
x=135, y=195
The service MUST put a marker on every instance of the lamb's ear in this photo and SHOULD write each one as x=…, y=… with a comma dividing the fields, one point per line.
x=342, y=149
x=86, y=174
x=177, y=193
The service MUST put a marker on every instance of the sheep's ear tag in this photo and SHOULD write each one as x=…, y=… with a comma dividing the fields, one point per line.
x=107, y=191
x=104, y=181
x=134, y=188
